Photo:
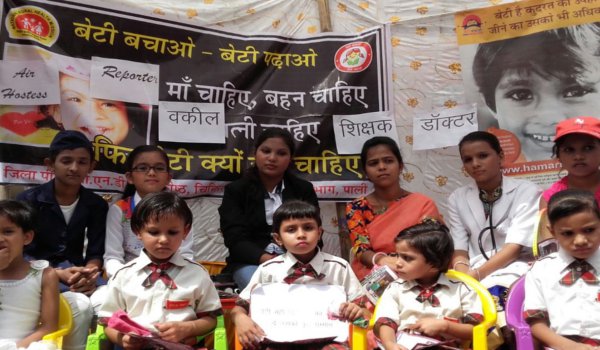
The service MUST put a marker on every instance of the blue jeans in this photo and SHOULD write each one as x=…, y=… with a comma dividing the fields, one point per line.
x=243, y=274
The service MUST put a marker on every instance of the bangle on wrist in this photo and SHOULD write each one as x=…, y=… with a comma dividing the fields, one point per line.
x=375, y=257
x=478, y=275
x=460, y=262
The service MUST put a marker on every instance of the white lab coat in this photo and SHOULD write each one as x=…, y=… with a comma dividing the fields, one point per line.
x=514, y=213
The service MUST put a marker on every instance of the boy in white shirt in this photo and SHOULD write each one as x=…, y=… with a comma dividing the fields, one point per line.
x=160, y=290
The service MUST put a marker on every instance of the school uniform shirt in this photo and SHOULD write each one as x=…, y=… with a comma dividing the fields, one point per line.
x=57, y=241
x=194, y=297
x=399, y=303
x=334, y=270
x=570, y=310
x=122, y=245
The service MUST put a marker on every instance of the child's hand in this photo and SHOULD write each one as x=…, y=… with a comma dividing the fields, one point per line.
x=350, y=311
x=173, y=331
x=249, y=333
x=131, y=342
x=431, y=327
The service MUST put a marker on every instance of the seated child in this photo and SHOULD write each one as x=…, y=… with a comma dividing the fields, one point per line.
x=423, y=299
x=297, y=227
x=28, y=289
x=562, y=300
x=68, y=214
x=160, y=290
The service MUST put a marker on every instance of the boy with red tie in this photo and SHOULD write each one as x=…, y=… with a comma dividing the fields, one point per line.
x=562, y=301
x=297, y=227
x=160, y=290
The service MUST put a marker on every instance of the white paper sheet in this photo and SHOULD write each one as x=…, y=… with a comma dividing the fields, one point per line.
x=292, y=312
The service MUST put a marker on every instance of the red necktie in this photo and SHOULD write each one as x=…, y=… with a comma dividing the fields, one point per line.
x=300, y=270
x=579, y=269
x=426, y=294
x=159, y=271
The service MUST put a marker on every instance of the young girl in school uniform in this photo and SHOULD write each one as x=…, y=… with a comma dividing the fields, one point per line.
x=562, y=290
x=147, y=171
x=29, y=289
x=423, y=299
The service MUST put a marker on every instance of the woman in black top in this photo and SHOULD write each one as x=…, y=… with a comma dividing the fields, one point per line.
x=249, y=203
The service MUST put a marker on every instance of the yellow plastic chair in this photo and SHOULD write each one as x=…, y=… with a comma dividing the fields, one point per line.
x=487, y=304
x=548, y=244
x=65, y=323
x=536, y=232
x=359, y=336
x=213, y=267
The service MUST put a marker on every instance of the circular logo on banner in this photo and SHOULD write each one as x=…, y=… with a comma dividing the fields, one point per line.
x=32, y=23
x=471, y=25
x=353, y=57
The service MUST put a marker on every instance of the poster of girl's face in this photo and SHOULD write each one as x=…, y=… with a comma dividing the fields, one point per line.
x=78, y=111
x=526, y=85
x=119, y=122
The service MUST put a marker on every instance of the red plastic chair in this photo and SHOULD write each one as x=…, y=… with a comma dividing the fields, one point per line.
x=514, y=315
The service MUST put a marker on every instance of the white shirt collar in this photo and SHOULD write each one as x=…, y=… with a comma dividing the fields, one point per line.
x=136, y=198
x=566, y=259
x=442, y=280
x=317, y=261
x=144, y=260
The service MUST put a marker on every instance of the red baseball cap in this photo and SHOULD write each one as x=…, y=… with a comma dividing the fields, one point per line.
x=578, y=125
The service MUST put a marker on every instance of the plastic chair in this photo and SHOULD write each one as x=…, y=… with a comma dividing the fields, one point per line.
x=479, y=332
x=213, y=267
x=219, y=335
x=65, y=323
x=536, y=232
x=514, y=315
x=488, y=305
x=546, y=246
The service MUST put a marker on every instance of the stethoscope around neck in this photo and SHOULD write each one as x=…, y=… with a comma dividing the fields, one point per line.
x=491, y=227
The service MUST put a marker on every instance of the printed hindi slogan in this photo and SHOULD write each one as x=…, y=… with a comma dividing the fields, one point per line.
x=528, y=65
x=202, y=95
x=522, y=18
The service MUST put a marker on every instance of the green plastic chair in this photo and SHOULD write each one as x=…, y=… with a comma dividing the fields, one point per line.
x=95, y=340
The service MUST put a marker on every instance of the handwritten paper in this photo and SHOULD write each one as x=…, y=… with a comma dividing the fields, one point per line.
x=351, y=131
x=121, y=80
x=24, y=83
x=444, y=127
x=191, y=122
x=293, y=312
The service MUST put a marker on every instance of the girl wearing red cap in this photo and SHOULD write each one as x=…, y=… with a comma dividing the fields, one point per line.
x=577, y=146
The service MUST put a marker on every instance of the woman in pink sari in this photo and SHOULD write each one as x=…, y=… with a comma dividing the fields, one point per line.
x=376, y=219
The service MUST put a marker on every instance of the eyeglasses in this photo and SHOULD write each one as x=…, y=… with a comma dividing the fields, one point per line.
x=143, y=168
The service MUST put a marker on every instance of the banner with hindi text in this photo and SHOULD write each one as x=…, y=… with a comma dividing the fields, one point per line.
x=197, y=75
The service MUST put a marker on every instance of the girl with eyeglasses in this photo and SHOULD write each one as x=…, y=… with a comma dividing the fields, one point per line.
x=147, y=171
